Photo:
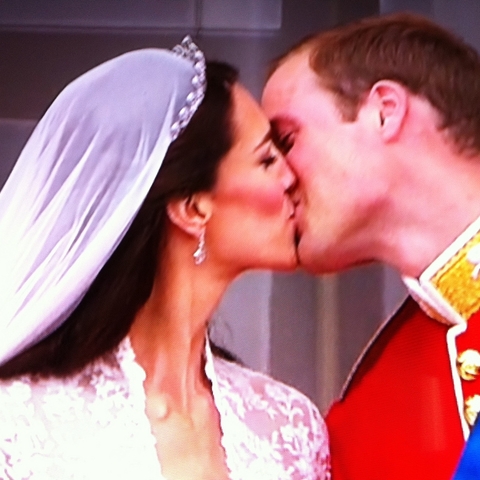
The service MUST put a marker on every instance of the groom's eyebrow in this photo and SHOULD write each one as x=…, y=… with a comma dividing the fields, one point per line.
x=274, y=126
x=277, y=125
x=283, y=121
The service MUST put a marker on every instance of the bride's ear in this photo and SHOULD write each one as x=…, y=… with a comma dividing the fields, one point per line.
x=191, y=214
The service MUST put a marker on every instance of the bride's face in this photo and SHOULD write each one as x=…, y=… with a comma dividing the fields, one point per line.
x=252, y=225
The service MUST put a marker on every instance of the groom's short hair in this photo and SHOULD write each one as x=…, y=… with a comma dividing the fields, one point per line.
x=427, y=59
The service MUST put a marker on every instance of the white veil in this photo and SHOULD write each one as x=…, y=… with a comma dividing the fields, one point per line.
x=80, y=180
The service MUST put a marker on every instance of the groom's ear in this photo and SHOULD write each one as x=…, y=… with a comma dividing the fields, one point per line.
x=389, y=101
x=191, y=214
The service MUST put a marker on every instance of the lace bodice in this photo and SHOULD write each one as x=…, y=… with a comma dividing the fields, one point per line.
x=93, y=425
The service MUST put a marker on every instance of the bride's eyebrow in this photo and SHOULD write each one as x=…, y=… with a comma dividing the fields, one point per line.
x=266, y=138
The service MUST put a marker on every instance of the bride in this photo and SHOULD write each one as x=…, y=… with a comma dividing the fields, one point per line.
x=148, y=186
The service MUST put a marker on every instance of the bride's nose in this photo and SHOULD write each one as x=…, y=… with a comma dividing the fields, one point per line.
x=289, y=179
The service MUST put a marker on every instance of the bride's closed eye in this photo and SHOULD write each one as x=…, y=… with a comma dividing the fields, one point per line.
x=269, y=159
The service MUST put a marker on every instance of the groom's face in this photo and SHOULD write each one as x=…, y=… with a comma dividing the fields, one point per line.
x=330, y=157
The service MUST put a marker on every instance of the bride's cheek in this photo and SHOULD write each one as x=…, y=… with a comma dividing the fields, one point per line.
x=265, y=200
x=270, y=201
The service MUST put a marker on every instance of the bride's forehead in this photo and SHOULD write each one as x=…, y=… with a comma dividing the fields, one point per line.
x=247, y=115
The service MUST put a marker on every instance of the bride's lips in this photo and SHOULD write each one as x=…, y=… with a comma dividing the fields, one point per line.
x=292, y=212
x=299, y=212
x=298, y=223
x=291, y=207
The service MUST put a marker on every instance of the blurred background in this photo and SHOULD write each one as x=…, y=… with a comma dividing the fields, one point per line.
x=303, y=330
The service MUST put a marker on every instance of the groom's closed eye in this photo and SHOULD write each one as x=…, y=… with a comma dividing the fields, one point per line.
x=286, y=142
x=283, y=138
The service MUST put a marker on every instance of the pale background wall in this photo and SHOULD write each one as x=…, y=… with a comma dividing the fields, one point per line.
x=306, y=331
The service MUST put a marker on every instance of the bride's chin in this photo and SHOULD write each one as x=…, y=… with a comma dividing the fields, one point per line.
x=290, y=262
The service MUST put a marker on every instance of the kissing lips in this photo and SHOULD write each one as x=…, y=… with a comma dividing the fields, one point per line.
x=297, y=237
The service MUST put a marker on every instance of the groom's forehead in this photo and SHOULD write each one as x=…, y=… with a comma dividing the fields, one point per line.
x=290, y=85
x=293, y=69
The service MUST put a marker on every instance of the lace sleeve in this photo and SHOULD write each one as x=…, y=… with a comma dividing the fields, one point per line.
x=275, y=431
x=14, y=420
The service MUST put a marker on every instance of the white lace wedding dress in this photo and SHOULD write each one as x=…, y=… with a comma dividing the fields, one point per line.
x=93, y=425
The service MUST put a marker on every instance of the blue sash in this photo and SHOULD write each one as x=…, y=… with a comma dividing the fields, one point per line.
x=469, y=466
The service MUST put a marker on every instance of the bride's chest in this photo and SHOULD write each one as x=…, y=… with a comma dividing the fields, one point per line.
x=99, y=429
x=188, y=441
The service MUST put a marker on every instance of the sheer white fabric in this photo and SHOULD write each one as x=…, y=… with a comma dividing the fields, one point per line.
x=80, y=180
x=94, y=426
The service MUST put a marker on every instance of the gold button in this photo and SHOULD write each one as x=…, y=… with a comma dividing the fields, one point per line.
x=468, y=364
x=472, y=407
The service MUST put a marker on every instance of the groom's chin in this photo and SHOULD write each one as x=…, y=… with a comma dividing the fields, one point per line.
x=305, y=257
x=310, y=258
x=309, y=251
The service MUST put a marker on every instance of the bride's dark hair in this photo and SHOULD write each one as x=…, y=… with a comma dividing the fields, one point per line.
x=104, y=315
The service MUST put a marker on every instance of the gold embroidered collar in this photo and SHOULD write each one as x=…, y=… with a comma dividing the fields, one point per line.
x=449, y=289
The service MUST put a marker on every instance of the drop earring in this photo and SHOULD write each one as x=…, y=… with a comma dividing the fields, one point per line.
x=200, y=253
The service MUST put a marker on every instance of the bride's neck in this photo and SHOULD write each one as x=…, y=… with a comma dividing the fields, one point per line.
x=168, y=334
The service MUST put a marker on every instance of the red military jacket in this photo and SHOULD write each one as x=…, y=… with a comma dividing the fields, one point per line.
x=407, y=408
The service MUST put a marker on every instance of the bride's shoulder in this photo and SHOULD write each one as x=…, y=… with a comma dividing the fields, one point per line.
x=17, y=418
x=256, y=387
x=20, y=398
x=30, y=399
x=15, y=396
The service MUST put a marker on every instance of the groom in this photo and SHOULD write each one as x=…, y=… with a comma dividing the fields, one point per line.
x=381, y=122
